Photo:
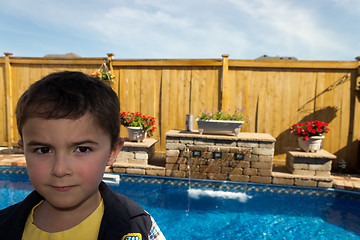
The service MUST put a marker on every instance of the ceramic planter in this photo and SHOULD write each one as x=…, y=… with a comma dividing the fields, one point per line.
x=222, y=127
x=314, y=144
x=136, y=134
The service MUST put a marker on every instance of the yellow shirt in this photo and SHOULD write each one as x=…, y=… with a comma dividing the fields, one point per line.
x=87, y=229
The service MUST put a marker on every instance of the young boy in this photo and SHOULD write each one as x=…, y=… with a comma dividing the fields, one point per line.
x=69, y=127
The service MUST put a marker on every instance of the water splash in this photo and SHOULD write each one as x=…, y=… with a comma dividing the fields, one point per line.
x=198, y=193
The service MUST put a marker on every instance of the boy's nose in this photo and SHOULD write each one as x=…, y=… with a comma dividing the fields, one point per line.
x=61, y=165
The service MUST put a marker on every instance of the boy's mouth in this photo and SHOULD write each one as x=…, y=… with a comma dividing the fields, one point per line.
x=63, y=188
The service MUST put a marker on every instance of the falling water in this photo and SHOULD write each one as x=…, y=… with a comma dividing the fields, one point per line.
x=189, y=182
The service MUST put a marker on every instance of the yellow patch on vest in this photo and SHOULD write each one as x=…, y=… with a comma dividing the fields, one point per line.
x=132, y=236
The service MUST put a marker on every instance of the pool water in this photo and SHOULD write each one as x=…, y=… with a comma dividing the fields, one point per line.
x=226, y=210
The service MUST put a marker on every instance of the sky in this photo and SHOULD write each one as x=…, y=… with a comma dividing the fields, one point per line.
x=174, y=29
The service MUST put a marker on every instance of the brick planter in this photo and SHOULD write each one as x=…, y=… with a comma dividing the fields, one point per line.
x=137, y=152
x=246, y=157
x=306, y=169
x=310, y=164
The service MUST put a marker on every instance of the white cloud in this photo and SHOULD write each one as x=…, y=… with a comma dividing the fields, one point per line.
x=195, y=28
x=168, y=31
x=291, y=27
x=351, y=6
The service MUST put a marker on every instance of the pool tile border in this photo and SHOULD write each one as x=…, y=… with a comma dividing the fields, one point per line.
x=246, y=187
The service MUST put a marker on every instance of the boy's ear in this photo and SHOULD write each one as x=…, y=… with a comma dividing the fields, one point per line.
x=115, y=151
x=21, y=144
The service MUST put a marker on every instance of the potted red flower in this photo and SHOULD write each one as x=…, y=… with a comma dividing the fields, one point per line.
x=310, y=134
x=139, y=125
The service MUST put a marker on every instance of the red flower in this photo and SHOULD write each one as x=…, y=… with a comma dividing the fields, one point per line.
x=308, y=129
x=137, y=119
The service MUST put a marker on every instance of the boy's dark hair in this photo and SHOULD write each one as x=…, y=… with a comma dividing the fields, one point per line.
x=70, y=95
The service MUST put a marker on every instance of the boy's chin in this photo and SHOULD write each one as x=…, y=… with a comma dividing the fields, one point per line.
x=71, y=203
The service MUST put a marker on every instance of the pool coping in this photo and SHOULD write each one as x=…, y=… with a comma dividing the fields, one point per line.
x=215, y=185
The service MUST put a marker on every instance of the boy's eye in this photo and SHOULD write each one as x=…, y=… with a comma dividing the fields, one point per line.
x=43, y=150
x=82, y=149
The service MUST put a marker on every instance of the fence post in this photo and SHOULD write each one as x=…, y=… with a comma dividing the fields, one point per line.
x=8, y=99
x=357, y=76
x=225, y=82
x=110, y=58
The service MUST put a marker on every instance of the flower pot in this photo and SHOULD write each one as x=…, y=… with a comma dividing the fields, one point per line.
x=312, y=145
x=136, y=134
x=222, y=127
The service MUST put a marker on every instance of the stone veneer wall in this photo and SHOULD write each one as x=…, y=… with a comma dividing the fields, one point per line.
x=310, y=164
x=306, y=169
x=134, y=158
x=137, y=152
x=246, y=157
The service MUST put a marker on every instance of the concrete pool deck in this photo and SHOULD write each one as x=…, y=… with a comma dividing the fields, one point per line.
x=340, y=181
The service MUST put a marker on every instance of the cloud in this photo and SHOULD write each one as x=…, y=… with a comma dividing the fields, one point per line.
x=288, y=27
x=350, y=6
x=193, y=28
x=167, y=30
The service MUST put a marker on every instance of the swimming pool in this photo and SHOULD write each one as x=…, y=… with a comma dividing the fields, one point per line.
x=226, y=210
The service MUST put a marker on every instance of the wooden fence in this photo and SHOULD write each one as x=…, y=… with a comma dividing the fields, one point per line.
x=274, y=93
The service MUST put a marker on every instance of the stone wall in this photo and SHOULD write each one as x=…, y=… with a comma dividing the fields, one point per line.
x=309, y=164
x=245, y=158
x=306, y=169
x=193, y=155
x=134, y=158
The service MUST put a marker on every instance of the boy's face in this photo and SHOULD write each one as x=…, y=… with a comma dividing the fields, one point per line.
x=66, y=159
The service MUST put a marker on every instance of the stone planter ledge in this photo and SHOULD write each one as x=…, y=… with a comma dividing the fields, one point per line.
x=259, y=137
x=148, y=142
x=320, y=154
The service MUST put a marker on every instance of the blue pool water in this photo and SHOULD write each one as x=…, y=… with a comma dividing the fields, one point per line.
x=226, y=210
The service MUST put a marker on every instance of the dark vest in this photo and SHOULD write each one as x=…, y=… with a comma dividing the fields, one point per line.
x=121, y=216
